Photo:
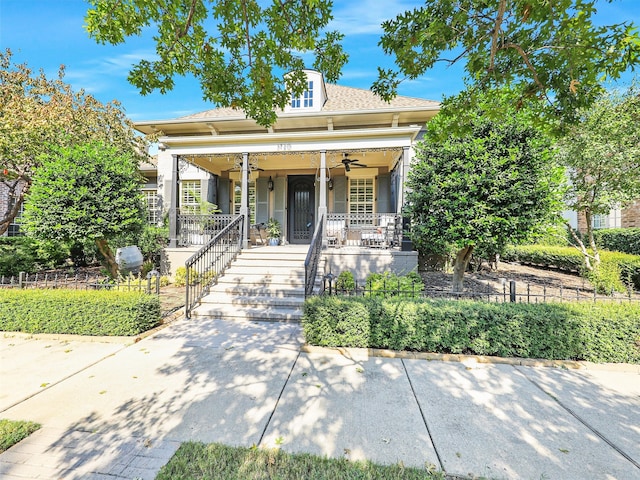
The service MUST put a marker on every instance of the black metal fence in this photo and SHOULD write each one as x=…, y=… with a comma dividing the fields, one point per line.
x=511, y=291
x=149, y=284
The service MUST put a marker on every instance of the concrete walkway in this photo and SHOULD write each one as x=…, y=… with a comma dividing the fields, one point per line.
x=113, y=411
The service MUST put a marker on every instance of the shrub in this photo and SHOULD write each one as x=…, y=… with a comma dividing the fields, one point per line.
x=625, y=240
x=335, y=321
x=389, y=284
x=24, y=254
x=571, y=260
x=598, y=332
x=345, y=283
x=81, y=312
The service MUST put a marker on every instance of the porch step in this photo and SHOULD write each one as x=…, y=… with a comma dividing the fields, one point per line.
x=263, y=284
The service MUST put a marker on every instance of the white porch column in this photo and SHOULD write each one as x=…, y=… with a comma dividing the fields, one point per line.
x=244, y=199
x=322, y=208
x=173, y=203
x=406, y=245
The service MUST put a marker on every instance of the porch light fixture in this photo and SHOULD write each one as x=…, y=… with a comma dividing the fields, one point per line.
x=270, y=184
x=330, y=184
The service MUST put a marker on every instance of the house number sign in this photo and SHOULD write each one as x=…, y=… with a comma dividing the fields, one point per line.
x=283, y=147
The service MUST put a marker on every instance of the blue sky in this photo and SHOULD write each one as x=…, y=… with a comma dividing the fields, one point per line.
x=48, y=33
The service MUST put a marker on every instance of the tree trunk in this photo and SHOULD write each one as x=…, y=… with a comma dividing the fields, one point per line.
x=592, y=240
x=460, y=266
x=109, y=259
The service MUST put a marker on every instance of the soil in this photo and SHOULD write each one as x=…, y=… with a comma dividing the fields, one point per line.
x=532, y=284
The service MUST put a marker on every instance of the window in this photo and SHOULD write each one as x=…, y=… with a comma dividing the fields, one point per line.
x=190, y=196
x=237, y=200
x=612, y=220
x=361, y=199
x=307, y=98
x=14, y=227
x=154, y=210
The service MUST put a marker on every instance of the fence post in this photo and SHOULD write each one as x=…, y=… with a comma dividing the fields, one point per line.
x=21, y=279
x=512, y=291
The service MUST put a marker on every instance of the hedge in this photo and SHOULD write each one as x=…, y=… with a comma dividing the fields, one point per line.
x=597, y=332
x=81, y=312
x=571, y=260
x=625, y=240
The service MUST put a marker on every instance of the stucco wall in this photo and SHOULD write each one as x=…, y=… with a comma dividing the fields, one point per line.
x=362, y=262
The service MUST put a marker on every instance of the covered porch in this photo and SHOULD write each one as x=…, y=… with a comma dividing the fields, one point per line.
x=357, y=191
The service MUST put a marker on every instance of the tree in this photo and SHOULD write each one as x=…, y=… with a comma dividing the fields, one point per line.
x=602, y=157
x=237, y=49
x=550, y=54
x=493, y=186
x=85, y=192
x=37, y=113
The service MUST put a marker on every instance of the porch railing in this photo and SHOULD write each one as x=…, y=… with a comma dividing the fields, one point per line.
x=205, y=266
x=199, y=229
x=313, y=258
x=364, y=229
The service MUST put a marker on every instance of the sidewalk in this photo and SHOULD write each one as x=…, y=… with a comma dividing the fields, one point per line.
x=115, y=411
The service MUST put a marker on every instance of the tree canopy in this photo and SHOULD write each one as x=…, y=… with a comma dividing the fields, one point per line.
x=38, y=113
x=239, y=50
x=492, y=186
x=602, y=157
x=552, y=55
x=85, y=192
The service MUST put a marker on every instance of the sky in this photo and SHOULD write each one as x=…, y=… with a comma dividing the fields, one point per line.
x=48, y=33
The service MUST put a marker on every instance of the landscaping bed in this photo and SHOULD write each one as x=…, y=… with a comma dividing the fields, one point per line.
x=79, y=312
x=597, y=332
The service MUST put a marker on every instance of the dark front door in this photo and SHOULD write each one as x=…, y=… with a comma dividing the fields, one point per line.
x=301, y=208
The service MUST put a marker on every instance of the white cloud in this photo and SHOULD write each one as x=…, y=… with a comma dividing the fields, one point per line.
x=365, y=17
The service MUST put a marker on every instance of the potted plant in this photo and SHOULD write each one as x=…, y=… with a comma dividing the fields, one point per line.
x=273, y=231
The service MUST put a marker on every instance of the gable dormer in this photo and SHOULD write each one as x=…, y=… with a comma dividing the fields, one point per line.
x=313, y=98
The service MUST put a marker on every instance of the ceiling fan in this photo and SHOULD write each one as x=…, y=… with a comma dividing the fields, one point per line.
x=348, y=162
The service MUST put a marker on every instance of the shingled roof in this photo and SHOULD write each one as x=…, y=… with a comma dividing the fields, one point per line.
x=339, y=99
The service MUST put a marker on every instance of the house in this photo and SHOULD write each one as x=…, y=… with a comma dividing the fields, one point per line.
x=628, y=217
x=335, y=153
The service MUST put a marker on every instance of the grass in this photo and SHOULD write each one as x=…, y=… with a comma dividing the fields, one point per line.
x=11, y=432
x=199, y=461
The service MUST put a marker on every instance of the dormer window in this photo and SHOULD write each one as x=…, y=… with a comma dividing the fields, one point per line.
x=306, y=100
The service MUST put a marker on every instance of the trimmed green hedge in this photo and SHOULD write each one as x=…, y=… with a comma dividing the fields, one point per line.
x=600, y=332
x=81, y=312
x=625, y=240
x=571, y=260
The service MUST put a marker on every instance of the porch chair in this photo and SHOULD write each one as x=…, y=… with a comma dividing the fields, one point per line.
x=382, y=235
x=336, y=233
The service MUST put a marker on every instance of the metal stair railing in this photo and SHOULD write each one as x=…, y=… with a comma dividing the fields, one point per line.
x=313, y=258
x=205, y=266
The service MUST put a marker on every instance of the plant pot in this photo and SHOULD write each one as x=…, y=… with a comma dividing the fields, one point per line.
x=274, y=242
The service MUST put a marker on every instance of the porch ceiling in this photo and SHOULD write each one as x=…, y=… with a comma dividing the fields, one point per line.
x=270, y=163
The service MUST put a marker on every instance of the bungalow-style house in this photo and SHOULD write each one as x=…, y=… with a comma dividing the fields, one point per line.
x=336, y=153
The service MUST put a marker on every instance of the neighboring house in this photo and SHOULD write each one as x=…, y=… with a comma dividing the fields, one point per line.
x=337, y=153
x=6, y=202
x=628, y=217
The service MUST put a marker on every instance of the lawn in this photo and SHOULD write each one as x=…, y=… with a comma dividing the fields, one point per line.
x=11, y=432
x=199, y=461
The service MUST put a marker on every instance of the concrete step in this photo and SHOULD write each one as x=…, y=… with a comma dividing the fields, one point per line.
x=261, y=313
x=273, y=269
x=220, y=298
x=262, y=284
